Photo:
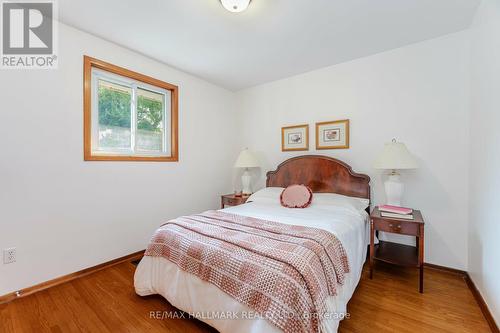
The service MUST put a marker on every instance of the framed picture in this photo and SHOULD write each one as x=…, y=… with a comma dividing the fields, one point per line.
x=295, y=138
x=332, y=134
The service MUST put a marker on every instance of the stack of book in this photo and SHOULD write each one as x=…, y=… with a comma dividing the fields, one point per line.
x=396, y=212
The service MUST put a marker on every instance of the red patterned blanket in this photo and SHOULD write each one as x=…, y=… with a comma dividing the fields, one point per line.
x=281, y=271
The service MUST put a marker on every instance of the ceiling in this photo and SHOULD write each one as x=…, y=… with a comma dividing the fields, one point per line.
x=273, y=39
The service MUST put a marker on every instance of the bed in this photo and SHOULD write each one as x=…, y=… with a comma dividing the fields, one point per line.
x=345, y=217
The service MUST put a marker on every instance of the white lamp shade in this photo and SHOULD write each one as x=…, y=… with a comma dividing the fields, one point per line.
x=235, y=6
x=395, y=156
x=247, y=159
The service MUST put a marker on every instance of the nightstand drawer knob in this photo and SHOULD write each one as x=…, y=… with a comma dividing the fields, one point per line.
x=397, y=226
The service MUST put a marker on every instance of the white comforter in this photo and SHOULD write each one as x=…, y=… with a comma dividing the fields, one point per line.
x=156, y=275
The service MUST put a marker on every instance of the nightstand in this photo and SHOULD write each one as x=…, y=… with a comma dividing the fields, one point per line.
x=394, y=253
x=232, y=200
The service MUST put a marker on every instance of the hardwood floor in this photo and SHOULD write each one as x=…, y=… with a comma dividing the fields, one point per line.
x=105, y=302
x=391, y=303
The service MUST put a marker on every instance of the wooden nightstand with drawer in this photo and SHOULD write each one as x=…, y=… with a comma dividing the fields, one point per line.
x=394, y=253
x=232, y=200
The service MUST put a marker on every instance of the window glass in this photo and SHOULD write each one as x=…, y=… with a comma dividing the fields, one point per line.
x=150, y=120
x=114, y=104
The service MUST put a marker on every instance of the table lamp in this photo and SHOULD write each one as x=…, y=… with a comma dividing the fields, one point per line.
x=395, y=156
x=246, y=160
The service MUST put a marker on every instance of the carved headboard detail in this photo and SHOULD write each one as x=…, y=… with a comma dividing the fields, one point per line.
x=322, y=174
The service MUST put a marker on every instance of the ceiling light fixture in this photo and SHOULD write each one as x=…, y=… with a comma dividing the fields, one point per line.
x=235, y=6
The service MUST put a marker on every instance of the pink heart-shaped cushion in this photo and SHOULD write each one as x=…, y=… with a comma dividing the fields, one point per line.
x=296, y=196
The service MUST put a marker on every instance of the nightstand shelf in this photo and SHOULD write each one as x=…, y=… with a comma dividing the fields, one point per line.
x=394, y=253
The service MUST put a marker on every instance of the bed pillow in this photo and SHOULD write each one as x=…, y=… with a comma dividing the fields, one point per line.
x=267, y=194
x=333, y=199
x=296, y=196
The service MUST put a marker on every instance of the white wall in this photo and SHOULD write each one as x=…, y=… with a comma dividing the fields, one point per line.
x=64, y=214
x=484, y=226
x=418, y=94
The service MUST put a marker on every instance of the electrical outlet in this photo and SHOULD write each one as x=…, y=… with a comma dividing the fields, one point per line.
x=9, y=255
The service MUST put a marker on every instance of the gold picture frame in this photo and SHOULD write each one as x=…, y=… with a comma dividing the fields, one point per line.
x=332, y=134
x=295, y=138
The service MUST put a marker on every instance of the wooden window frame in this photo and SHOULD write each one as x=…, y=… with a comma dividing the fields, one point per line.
x=89, y=64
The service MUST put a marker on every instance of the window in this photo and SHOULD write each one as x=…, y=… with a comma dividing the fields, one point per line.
x=128, y=116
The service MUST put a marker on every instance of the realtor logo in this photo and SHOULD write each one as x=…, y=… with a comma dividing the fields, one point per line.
x=28, y=34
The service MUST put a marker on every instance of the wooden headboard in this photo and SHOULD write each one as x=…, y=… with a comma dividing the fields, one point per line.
x=322, y=174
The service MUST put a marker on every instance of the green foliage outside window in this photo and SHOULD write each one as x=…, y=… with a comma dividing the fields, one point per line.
x=114, y=110
x=149, y=114
x=114, y=107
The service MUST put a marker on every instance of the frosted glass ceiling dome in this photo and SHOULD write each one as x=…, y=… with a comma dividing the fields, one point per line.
x=235, y=6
